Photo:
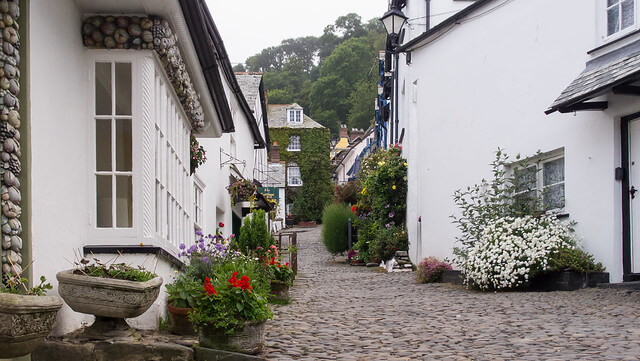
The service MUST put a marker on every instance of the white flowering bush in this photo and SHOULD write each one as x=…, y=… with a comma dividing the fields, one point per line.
x=512, y=249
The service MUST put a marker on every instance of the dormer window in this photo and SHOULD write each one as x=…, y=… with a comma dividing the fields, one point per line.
x=620, y=15
x=294, y=115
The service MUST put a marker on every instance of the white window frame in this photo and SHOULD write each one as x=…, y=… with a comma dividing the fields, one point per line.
x=294, y=180
x=603, y=21
x=159, y=163
x=294, y=144
x=294, y=116
x=538, y=162
x=198, y=202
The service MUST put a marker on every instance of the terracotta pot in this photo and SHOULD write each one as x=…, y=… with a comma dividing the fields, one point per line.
x=279, y=290
x=248, y=339
x=180, y=324
x=25, y=321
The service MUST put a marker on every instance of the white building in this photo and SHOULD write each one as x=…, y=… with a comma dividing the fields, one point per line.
x=106, y=110
x=483, y=79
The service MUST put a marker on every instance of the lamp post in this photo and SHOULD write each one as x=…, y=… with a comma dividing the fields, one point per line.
x=393, y=21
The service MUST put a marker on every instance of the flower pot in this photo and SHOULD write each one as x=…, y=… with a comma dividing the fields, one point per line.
x=180, y=324
x=25, y=321
x=279, y=290
x=110, y=300
x=559, y=281
x=107, y=297
x=451, y=276
x=248, y=339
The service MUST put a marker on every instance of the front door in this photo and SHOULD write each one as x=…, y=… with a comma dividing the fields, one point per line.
x=634, y=192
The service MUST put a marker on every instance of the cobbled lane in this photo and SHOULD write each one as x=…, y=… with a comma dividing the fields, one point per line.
x=341, y=312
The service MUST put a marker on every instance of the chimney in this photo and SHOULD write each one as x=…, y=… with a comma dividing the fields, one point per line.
x=275, y=153
x=356, y=133
x=343, y=131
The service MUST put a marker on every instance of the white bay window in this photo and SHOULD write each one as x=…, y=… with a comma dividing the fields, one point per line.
x=142, y=191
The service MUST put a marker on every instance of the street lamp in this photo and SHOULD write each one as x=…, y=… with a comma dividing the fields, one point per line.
x=393, y=21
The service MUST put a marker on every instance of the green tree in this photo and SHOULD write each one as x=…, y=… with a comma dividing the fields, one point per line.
x=361, y=113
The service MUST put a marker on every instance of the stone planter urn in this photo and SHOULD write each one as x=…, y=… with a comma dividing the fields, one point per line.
x=248, y=339
x=25, y=321
x=110, y=300
x=179, y=318
x=279, y=290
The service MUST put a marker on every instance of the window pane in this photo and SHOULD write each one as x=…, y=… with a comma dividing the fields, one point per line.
x=123, y=89
x=103, y=145
x=525, y=179
x=553, y=172
x=104, y=201
x=123, y=145
x=103, y=88
x=612, y=2
x=124, y=202
x=627, y=14
x=554, y=196
x=613, y=20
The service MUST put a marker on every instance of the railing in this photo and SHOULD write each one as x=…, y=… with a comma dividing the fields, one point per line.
x=289, y=248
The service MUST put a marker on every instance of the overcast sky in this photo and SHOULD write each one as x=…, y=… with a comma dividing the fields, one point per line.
x=248, y=26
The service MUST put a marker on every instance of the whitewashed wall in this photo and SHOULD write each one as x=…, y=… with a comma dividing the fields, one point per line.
x=486, y=85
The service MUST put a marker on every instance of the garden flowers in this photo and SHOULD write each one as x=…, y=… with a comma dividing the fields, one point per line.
x=512, y=249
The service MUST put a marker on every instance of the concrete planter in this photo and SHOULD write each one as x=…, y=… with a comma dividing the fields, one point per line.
x=179, y=318
x=248, y=339
x=107, y=297
x=25, y=321
x=279, y=290
x=568, y=280
x=452, y=276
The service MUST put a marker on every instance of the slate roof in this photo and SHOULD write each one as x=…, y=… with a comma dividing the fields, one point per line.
x=277, y=115
x=250, y=85
x=600, y=75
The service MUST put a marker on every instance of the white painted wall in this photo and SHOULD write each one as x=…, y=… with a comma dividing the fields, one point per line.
x=59, y=80
x=485, y=85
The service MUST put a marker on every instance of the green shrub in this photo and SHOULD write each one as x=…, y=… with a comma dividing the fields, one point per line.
x=387, y=241
x=573, y=259
x=335, y=219
x=254, y=233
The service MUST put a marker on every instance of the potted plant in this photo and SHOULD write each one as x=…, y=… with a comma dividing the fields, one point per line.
x=198, y=154
x=242, y=190
x=568, y=269
x=27, y=316
x=180, y=302
x=281, y=275
x=229, y=315
x=111, y=292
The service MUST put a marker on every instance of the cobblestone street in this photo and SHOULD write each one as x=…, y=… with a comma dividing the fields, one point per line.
x=340, y=312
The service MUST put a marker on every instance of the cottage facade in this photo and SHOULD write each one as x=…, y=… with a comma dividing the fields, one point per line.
x=483, y=79
x=106, y=110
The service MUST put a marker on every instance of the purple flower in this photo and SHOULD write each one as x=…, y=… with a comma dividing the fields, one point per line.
x=201, y=245
x=183, y=246
x=386, y=206
x=205, y=259
x=192, y=249
x=391, y=215
x=198, y=232
x=388, y=226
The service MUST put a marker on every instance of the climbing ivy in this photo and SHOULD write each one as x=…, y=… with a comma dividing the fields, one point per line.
x=315, y=170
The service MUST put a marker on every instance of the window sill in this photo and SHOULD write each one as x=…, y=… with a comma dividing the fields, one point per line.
x=160, y=252
x=293, y=150
x=613, y=41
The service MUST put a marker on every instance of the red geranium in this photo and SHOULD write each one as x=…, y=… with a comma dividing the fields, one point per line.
x=209, y=288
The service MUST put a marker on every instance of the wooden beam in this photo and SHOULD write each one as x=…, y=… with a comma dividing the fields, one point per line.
x=584, y=106
x=626, y=90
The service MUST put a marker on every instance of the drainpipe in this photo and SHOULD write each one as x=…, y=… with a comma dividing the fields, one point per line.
x=396, y=98
x=428, y=14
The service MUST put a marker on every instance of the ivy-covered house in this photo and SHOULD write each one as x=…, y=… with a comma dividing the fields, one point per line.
x=304, y=151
